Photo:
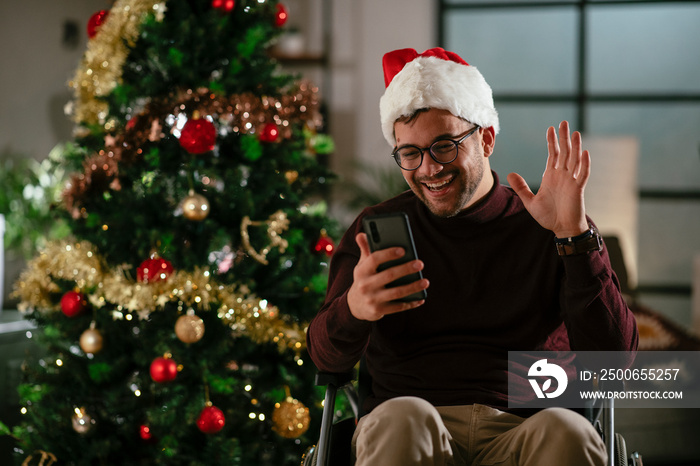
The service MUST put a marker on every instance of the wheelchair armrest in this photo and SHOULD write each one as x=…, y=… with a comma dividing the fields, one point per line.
x=594, y=407
x=600, y=412
x=333, y=382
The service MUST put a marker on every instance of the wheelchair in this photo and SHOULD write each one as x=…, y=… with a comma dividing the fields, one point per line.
x=334, y=444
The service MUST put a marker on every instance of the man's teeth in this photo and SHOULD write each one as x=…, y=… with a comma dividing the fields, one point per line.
x=438, y=185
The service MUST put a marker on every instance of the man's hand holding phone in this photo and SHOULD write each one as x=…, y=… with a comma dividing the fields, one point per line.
x=369, y=298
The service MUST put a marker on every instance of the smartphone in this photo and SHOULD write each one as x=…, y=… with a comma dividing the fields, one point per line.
x=394, y=230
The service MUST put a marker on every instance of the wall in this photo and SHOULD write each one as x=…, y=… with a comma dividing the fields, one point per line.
x=363, y=30
x=36, y=65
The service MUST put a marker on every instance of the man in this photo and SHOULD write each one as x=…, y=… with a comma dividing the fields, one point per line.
x=504, y=269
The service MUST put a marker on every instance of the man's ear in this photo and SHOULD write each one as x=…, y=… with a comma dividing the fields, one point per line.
x=488, y=140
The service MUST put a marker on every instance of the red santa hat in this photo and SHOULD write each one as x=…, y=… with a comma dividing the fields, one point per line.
x=435, y=78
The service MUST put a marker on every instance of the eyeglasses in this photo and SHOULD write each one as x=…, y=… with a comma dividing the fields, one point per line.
x=443, y=151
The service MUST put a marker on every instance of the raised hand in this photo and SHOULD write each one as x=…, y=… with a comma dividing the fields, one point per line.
x=558, y=204
x=368, y=297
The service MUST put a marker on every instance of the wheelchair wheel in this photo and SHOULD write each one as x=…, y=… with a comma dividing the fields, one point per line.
x=620, y=451
x=310, y=458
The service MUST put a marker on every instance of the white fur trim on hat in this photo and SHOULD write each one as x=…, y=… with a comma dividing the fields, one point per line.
x=431, y=82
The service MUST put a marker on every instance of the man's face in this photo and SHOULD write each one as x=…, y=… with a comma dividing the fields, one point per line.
x=447, y=189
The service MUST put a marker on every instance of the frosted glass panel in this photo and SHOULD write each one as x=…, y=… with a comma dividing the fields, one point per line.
x=637, y=48
x=517, y=49
x=521, y=146
x=496, y=2
x=669, y=137
x=668, y=240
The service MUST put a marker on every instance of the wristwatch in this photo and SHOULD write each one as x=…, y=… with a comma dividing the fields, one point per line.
x=584, y=243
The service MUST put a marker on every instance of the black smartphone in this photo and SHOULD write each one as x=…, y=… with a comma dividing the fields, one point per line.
x=394, y=230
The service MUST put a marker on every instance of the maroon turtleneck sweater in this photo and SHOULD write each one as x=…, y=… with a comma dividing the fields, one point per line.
x=496, y=285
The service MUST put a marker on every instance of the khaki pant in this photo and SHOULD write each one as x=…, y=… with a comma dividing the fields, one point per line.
x=409, y=431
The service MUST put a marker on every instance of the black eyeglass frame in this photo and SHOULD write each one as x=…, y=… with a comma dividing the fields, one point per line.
x=456, y=142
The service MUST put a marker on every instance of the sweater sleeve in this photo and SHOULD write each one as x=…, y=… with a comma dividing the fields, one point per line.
x=335, y=338
x=595, y=313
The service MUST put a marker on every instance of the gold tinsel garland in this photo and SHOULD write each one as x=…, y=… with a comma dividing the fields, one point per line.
x=243, y=114
x=101, y=68
x=115, y=291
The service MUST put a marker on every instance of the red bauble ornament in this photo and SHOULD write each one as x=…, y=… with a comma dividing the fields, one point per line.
x=281, y=16
x=145, y=433
x=211, y=420
x=198, y=136
x=163, y=370
x=153, y=270
x=95, y=22
x=73, y=303
x=223, y=5
x=269, y=133
x=325, y=245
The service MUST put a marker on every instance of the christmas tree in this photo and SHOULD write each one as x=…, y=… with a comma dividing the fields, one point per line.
x=173, y=318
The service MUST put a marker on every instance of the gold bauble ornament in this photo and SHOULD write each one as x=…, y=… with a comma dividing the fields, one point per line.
x=189, y=328
x=91, y=340
x=82, y=422
x=291, y=176
x=195, y=207
x=290, y=418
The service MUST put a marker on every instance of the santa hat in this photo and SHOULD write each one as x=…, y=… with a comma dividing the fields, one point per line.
x=435, y=78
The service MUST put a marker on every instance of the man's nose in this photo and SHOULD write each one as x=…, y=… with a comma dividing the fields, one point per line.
x=429, y=167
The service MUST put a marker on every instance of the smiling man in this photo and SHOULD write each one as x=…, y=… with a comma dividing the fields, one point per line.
x=505, y=269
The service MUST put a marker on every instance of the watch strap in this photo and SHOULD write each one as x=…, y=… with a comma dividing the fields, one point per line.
x=586, y=242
